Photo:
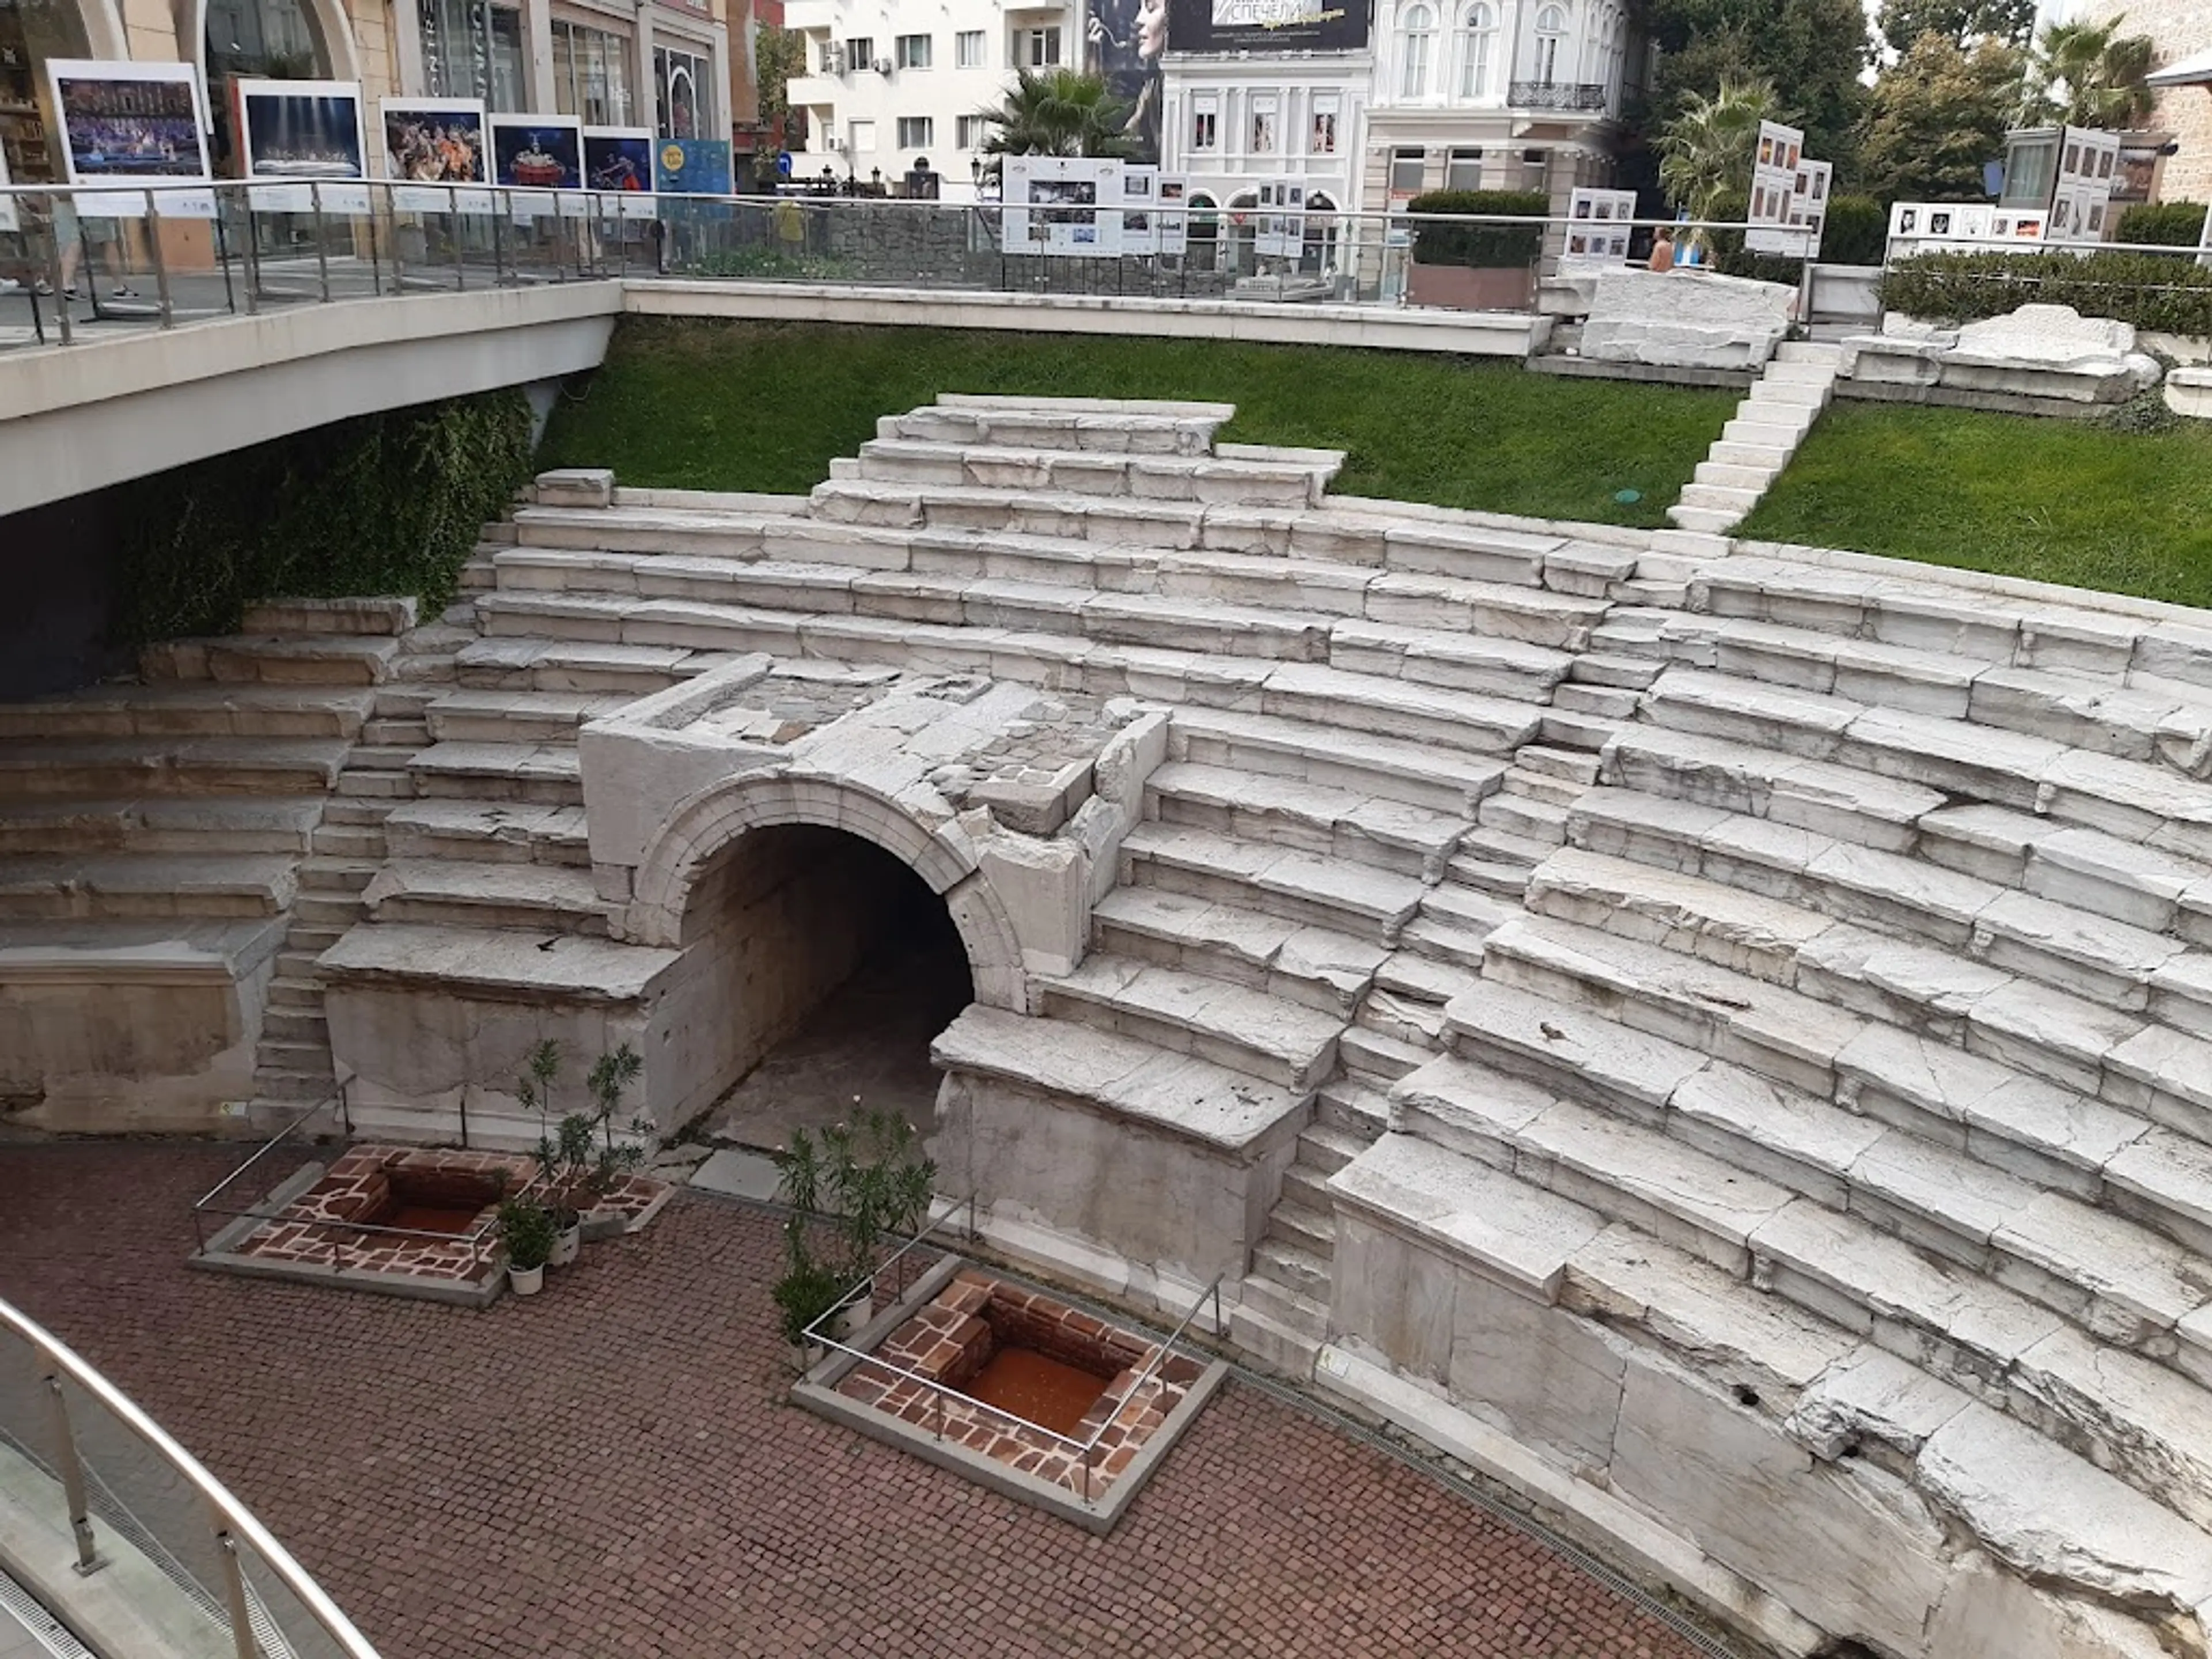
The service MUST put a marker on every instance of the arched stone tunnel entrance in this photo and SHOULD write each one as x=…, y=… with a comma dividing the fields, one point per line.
x=827, y=937
x=844, y=965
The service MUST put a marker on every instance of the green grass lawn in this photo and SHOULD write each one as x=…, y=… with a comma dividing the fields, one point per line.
x=2055, y=501
x=701, y=405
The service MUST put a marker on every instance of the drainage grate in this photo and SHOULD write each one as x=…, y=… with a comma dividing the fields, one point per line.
x=48, y=1631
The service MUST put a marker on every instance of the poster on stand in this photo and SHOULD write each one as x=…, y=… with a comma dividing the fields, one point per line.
x=1940, y=227
x=1174, y=214
x=1063, y=206
x=1599, y=228
x=1140, y=222
x=541, y=159
x=436, y=147
x=137, y=124
x=618, y=164
x=1775, y=184
x=692, y=167
x=305, y=138
x=7, y=221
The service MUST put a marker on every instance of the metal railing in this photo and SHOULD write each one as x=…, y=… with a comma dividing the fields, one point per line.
x=120, y=1481
x=153, y=267
x=343, y=1239
x=1084, y=1452
x=1554, y=95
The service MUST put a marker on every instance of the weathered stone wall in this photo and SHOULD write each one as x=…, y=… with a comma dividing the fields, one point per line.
x=2179, y=28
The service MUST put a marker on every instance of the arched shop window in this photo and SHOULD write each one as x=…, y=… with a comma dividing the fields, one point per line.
x=684, y=93
x=280, y=40
x=31, y=33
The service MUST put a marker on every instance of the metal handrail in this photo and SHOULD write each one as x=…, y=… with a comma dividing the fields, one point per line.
x=232, y=1522
x=1085, y=1450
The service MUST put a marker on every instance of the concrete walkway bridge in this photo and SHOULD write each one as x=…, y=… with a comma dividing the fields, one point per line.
x=1717, y=1037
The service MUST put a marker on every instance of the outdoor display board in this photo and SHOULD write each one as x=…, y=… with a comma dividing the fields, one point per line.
x=1068, y=206
x=542, y=155
x=307, y=135
x=1268, y=25
x=1942, y=227
x=1140, y=228
x=437, y=145
x=1282, y=229
x=2088, y=167
x=1599, y=231
x=1173, y=210
x=1789, y=198
x=135, y=125
x=618, y=161
x=692, y=167
x=8, y=222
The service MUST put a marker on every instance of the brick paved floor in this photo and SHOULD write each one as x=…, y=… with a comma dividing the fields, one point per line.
x=609, y=1469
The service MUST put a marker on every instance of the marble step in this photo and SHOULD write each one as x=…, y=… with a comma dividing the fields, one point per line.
x=1162, y=432
x=349, y=841
x=1388, y=835
x=1456, y=721
x=1494, y=862
x=904, y=508
x=488, y=832
x=1457, y=661
x=190, y=708
x=1454, y=922
x=320, y=659
x=1349, y=1105
x=469, y=716
x=1311, y=1227
x=1205, y=479
x=1287, y=1044
x=295, y=1024
x=542, y=774
x=2086, y=869
x=1294, y=1267
x=2125, y=1284
x=329, y=616
x=1730, y=776
x=169, y=767
x=158, y=824
x=121, y=886
x=1326, y=757
x=1364, y=902
x=559, y=665
x=1314, y=967
x=451, y=892
x=1503, y=610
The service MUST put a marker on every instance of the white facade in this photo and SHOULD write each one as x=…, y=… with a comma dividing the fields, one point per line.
x=1231, y=122
x=892, y=82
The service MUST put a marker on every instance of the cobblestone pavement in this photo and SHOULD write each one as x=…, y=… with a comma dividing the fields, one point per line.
x=609, y=1469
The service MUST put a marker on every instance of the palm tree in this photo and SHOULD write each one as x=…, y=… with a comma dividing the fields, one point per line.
x=1058, y=112
x=2089, y=75
x=1706, y=151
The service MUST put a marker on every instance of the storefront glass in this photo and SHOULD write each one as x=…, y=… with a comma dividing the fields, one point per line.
x=472, y=49
x=591, y=74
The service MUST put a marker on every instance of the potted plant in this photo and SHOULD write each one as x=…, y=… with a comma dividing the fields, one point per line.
x=1477, y=267
x=534, y=1089
x=848, y=1188
x=579, y=1158
x=527, y=1231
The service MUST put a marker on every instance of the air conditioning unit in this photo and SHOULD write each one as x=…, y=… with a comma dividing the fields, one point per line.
x=836, y=145
x=883, y=66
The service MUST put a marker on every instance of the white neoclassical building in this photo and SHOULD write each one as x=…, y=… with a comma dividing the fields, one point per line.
x=1495, y=95
x=889, y=82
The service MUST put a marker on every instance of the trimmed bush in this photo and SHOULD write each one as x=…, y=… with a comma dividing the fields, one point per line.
x=2167, y=224
x=1856, y=232
x=2147, y=289
x=383, y=504
x=1485, y=247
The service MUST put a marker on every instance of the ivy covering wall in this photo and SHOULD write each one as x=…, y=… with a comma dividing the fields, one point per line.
x=383, y=504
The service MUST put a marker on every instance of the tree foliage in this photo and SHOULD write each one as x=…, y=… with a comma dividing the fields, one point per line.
x=1706, y=152
x=1935, y=116
x=779, y=53
x=2090, y=75
x=1058, y=112
x=1812, y=50
x=1965, y=23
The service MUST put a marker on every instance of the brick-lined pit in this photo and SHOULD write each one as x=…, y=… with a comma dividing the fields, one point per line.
x=977, y=1317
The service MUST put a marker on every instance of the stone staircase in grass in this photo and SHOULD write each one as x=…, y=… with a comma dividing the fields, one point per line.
x=1757, y=444
x=1748, y=1021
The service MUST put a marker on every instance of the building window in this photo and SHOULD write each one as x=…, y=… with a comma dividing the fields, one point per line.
x=912, y=51
x=683, y=92
x=1323, y=142
x=916, y=132
x=469, y=50
x=1416, y=47
x=591, y=75
x=1463, y=170
x=1551, y=30
x=1263, y=124
x=1406, y=167
x=1206, y=124
x=860, y=54
x=1040, y=47
x=974, y=131
x=863, y=138
x=1478, y=32
x=968, y=48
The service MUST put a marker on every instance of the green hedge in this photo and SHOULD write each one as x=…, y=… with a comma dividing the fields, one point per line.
x=2168, y=224
x=383, y=504
x=2147, y=289
x=1856, y=232
x=1488, y=248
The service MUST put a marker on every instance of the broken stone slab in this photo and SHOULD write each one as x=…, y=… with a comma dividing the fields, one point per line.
x=1685, y=319
x=576, y=486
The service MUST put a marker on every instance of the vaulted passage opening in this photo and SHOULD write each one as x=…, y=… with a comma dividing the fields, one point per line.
x=822, y=966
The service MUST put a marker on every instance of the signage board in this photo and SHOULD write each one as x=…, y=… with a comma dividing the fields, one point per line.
x=307, y=136
x=1598, y=228
x=436, y=147
x=1268, y=26
x=140, y=125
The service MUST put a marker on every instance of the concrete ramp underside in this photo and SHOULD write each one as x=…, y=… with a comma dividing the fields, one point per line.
x=1719, y=1038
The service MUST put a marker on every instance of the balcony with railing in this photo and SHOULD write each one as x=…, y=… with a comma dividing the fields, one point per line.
x=1556, y=94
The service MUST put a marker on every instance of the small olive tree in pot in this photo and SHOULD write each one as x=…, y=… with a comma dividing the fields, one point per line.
x=850, y=1187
